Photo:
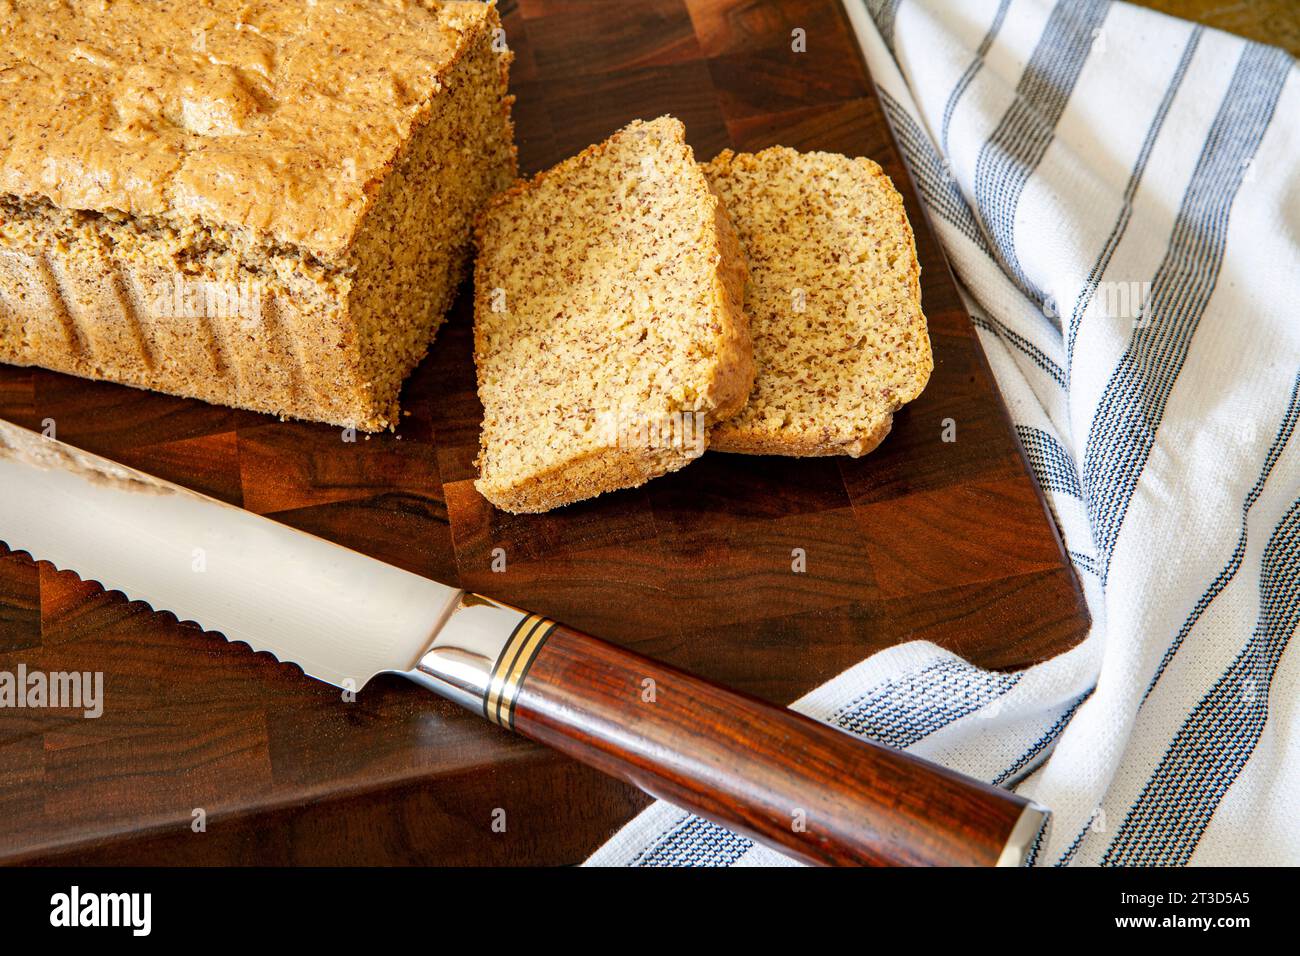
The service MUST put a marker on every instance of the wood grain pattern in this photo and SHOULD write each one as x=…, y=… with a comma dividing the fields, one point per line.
x=766, y=772
x=948, y=542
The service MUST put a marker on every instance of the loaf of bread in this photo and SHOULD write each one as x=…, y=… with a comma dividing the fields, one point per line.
x=608, y=326
x=834, y=299
x=267, y=205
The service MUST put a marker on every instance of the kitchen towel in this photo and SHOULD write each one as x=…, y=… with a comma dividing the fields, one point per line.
x=1119, y=194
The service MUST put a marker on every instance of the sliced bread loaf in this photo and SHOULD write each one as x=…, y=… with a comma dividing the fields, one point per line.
x=608, y=328
x=834, y=299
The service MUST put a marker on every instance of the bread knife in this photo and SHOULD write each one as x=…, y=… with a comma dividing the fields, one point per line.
x=807, y=789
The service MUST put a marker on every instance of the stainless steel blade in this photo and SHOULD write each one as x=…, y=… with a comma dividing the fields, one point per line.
x=341, y=616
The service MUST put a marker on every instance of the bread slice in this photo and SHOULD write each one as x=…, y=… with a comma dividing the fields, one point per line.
x=834, y=298
x=608, y=328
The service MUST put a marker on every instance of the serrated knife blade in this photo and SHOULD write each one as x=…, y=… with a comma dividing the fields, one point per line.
x=344, y=617
x=340, y=616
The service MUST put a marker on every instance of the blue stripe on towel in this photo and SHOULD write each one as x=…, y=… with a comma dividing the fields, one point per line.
x=1019, y=141
x=1052, y=464
x=969, y=74
x=1035, y=354
x=1023, y=765
x=1285, y=430
x=1166, y=822
x=905, y=710
x=1130, y=190
x=933, y=177
x=1123, y=430
x=1085, y=562
x=884, y=12
x=694, y=842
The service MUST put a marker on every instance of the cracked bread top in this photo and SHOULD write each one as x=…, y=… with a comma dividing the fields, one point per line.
x=273, y=118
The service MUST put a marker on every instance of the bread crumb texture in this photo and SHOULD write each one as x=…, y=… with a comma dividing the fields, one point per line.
x=260, y=204
x=608, y=326
x=834, y=298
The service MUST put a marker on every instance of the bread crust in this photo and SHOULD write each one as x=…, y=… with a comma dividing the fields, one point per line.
x=734, y=344
x=565, y=483
x=811, y=445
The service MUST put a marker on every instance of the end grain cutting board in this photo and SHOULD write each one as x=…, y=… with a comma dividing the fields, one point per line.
x=946, y=541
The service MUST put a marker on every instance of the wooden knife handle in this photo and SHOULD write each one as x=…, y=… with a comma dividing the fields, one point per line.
x=780, y=778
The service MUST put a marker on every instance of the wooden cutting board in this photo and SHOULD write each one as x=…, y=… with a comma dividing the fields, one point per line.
x=947, y=541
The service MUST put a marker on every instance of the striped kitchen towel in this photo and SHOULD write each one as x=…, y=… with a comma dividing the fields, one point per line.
x=1119, y=193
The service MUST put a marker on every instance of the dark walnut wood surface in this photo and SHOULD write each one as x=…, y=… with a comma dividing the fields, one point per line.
x=923, y=539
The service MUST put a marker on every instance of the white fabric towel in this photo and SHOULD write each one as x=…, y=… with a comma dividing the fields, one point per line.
x=1119, y=193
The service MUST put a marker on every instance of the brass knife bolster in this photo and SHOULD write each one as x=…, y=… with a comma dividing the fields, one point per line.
x=481, y=656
